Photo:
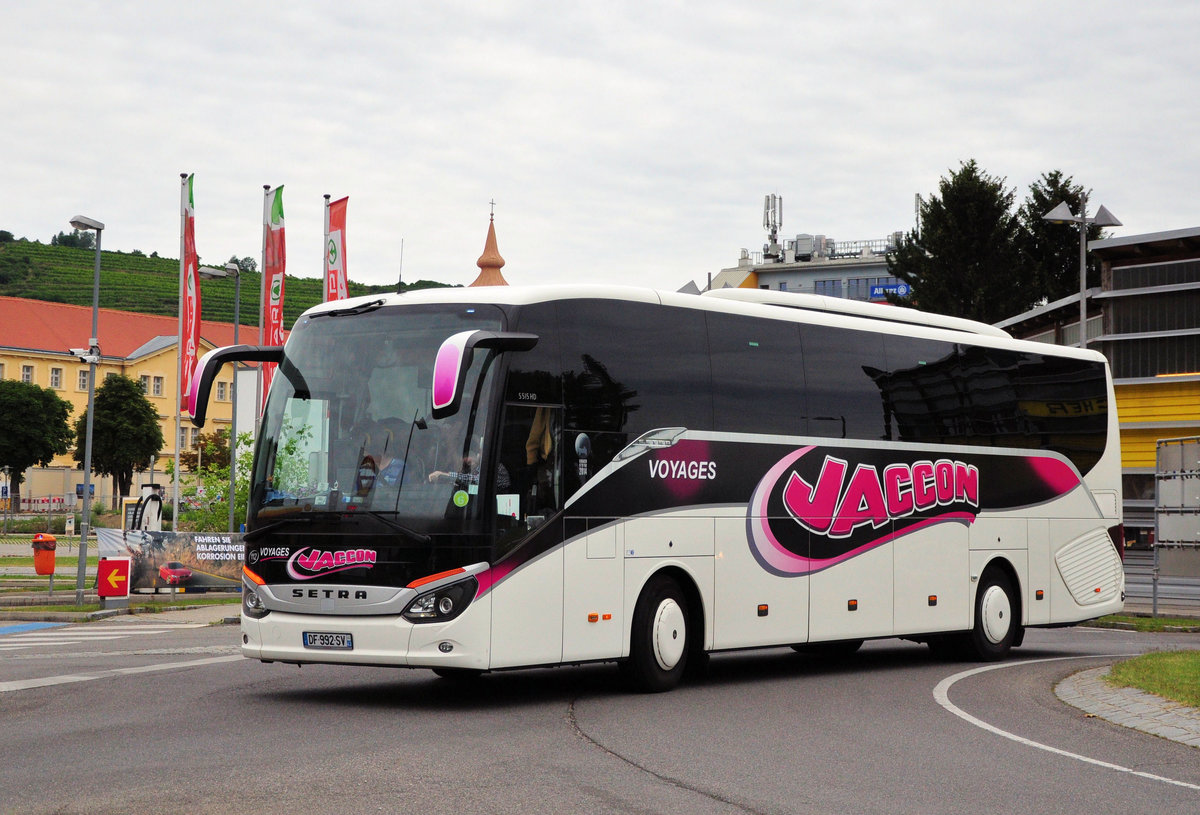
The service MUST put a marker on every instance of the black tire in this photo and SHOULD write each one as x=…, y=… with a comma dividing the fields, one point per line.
x=996, y=621
x=658, y=646
x=831, y=650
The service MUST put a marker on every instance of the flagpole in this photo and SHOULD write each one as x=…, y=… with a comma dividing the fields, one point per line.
x=183, y=177
x=325, y=298
x=263, y=299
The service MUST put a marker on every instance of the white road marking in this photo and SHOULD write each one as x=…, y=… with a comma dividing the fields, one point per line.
x=941, y=695
x=74, y=635
x=63, y=679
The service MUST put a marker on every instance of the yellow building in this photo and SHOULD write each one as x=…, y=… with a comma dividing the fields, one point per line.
x=1145, y=318
x=35, y=342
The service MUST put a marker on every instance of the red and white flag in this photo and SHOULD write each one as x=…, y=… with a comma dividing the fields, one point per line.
x=274, y=264
x=335, y=249
x=189, y=285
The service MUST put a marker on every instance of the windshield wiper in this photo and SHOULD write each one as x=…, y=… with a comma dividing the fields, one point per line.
x=411, y=534
x=359, y=309
x=298, y=517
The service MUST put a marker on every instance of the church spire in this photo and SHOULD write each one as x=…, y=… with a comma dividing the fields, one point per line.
x=490, y=262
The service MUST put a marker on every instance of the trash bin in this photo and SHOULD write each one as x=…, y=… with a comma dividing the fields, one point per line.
x=43, y=553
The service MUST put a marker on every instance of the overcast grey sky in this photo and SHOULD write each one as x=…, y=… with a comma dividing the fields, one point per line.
x=626, y=142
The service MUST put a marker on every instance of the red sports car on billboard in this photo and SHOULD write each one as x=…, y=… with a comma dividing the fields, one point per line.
x=173, y=573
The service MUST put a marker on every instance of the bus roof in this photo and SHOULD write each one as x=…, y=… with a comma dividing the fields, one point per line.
x=856, y=308
x=521, y=295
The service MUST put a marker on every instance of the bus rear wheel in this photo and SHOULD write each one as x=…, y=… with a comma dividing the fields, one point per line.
x=658, y=646
x=996, y=622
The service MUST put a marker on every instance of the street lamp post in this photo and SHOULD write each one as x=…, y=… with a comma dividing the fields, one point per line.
x=91, y=357
x=235, y=271
x=213, y=273
x=1062, y=214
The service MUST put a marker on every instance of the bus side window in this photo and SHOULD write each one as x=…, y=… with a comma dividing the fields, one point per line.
x=529, y=452
x=758, y=375
x=840, y=366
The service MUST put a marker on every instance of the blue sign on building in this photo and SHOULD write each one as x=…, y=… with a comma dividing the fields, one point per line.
x=898, y=289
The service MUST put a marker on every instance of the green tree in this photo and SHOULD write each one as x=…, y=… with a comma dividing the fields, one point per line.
x=246, y=264
x=964, y=262
x=209, y=450
x=35, y=429
x=76, y=239
x=125, y=433
x=203, y=507
x=1049, y=250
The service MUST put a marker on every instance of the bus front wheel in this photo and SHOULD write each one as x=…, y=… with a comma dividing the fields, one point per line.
x=658, y=646
x=996, y=623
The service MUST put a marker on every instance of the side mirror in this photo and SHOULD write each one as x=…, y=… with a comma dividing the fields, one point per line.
x=206, y=371
x=454, y=360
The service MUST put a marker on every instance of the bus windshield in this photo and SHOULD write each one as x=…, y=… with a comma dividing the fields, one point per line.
x=348, y=444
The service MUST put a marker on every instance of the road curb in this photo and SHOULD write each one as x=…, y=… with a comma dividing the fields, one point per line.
x=1130, y=707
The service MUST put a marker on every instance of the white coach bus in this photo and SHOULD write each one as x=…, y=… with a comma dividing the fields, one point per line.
x=476, y=479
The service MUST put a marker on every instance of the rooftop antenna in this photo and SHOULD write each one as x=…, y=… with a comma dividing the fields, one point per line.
x=772, y=220
x=400, y=274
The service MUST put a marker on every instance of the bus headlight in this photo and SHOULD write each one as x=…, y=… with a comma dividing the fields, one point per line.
x=443, y=603
x=252, y=604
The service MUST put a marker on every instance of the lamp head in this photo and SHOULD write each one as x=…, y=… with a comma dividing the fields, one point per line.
x=1061, y=214
x=84, y=222
x=1105, y=218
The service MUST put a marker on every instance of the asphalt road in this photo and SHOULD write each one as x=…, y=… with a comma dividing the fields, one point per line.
x=173, y=719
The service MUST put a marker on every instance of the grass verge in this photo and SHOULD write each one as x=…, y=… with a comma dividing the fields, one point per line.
x=1172, y=675
x=143, y=607
x=1131, y=622
x=27, y=560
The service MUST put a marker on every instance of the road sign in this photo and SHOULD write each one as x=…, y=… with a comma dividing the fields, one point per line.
x=112, y=577
x=880, y=292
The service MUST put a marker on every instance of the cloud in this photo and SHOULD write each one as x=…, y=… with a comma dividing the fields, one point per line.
x=623, y=142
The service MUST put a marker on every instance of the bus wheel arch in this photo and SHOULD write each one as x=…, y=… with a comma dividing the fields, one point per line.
x=666, y=636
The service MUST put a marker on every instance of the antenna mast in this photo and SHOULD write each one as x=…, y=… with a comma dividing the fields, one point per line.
x=772, y=221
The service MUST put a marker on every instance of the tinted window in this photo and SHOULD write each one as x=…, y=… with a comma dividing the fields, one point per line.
x=630, y=367
x=535, y=376
x=959, y=394
x=758, y=378
x=840, y=368
x=923, y=396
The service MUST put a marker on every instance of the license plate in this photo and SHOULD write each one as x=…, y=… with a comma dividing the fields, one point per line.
x=321, y=639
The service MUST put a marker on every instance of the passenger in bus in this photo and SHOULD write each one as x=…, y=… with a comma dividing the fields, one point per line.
x=469, y=474
x=382, y=460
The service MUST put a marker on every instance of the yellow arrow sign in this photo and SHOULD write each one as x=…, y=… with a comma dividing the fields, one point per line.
x=112, y=578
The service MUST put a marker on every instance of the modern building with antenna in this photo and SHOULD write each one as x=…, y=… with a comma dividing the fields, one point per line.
x=814, y=264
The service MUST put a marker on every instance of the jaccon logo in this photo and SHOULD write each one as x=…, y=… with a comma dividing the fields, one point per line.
x=307, y=563
x=817, y=507
x=836, y=505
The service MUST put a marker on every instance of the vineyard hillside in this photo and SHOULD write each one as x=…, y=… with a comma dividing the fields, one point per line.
x=150, y=285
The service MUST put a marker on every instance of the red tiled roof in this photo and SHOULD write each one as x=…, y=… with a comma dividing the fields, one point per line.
x=37, y=325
